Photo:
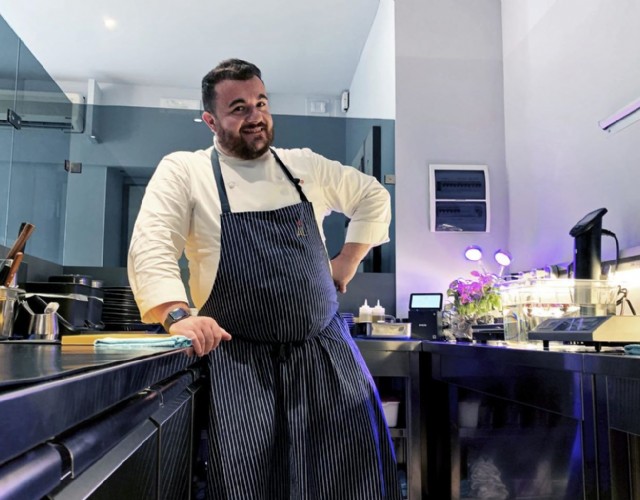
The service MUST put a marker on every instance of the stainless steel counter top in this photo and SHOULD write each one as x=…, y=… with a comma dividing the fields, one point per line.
x=385, y=344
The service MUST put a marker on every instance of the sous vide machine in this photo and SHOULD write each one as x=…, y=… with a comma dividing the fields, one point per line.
x=593, y=321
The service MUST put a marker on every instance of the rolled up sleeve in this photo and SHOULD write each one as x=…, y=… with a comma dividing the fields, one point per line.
x=361, y=198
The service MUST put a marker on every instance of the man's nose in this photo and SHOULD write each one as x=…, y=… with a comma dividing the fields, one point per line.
x=254, y=114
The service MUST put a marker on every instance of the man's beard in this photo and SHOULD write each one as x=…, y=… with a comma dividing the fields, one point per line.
x=239, y=147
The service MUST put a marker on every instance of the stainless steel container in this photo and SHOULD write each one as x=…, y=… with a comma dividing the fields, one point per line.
x=45, y=327
x=8, y=306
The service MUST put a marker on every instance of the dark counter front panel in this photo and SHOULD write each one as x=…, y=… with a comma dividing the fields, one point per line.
x=551, y=381
x=77, y=384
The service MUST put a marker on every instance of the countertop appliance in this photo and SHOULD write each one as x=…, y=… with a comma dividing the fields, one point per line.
x=425, y=315
x=589, y=330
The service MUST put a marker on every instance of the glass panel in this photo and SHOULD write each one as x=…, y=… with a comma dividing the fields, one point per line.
x=8, y=66
x=507, y=450
x=38, y=190
x=38, y=179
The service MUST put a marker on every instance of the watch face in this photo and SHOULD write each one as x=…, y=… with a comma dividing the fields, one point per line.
x=177, y=314
x=174, y=316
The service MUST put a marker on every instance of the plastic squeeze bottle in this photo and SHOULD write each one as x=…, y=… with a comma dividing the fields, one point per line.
x=364, y=314
x=377, y=313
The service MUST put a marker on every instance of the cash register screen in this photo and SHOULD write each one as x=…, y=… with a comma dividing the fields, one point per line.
x=425, y=301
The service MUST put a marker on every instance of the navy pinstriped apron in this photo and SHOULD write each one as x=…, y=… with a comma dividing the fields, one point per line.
x=294, y=413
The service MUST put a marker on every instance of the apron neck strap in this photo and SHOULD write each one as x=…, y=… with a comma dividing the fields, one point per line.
x=295, y=181
x=222, y=190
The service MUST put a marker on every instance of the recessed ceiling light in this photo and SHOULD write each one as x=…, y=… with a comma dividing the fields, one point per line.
x=110, y=23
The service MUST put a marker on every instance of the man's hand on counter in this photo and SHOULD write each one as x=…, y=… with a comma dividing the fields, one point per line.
x=204, y=332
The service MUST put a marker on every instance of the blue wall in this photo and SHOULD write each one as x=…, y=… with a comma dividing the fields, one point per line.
x=132, y=141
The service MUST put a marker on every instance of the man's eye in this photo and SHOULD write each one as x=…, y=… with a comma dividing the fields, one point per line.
x=238, y=109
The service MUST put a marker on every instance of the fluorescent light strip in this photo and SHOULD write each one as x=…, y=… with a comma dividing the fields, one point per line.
x=622, y=118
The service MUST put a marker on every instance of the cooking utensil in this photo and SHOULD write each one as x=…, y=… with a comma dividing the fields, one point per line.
x=13, y=269
x=24, y=235
x=51, y=307
x=17, y=247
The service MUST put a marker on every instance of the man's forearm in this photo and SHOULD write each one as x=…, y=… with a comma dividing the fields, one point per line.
x=345, y=264
x=355, y=252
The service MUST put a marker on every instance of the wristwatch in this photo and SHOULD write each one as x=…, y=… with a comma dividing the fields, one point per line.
x=174, y=316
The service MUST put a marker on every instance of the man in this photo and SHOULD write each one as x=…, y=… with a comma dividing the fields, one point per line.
x=293, y=412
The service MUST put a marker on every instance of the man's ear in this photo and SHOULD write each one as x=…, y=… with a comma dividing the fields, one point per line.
x=210, y=120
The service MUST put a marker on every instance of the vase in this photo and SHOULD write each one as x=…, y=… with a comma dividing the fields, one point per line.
x=461, y=324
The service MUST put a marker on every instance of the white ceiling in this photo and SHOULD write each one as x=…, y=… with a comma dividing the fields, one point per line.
x=302, y=46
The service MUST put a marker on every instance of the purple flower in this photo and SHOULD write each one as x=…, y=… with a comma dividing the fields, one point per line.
x=471, y=296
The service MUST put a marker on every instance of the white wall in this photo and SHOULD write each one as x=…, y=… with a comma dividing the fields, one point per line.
x=449, y=109
x=373, y=88
x=567, y=65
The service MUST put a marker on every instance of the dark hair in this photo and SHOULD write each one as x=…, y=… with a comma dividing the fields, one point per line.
x=231, y=69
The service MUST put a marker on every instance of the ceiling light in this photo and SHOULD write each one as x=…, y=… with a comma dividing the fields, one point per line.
x=110, y=23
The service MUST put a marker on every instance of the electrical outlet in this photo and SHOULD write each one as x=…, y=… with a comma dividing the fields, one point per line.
x=389, y=179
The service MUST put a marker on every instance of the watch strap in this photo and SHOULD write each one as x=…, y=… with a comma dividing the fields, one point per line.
x=175, y=315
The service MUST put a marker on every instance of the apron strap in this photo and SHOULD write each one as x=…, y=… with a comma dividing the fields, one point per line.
x=222, y=190
x=217, y=175
x=294, y=180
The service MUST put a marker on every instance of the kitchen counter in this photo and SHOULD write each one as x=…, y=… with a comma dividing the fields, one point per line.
x=388, y=344
x=568, y=406
x=23, y=363
x=56, y=397
x=84, y=381
x=46, y=389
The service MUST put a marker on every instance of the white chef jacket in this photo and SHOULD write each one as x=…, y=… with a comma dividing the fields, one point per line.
x=181, y=211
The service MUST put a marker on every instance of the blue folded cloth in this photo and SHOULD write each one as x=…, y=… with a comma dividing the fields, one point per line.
x=138, y=342
x=633, y=349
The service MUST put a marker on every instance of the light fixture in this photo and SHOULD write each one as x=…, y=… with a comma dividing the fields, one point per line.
x=621, y=118
x=502, y=257
x=473, y=253
x=198, y=117
x=110, y=23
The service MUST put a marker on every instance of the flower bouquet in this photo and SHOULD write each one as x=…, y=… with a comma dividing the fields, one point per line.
x=473, y=301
